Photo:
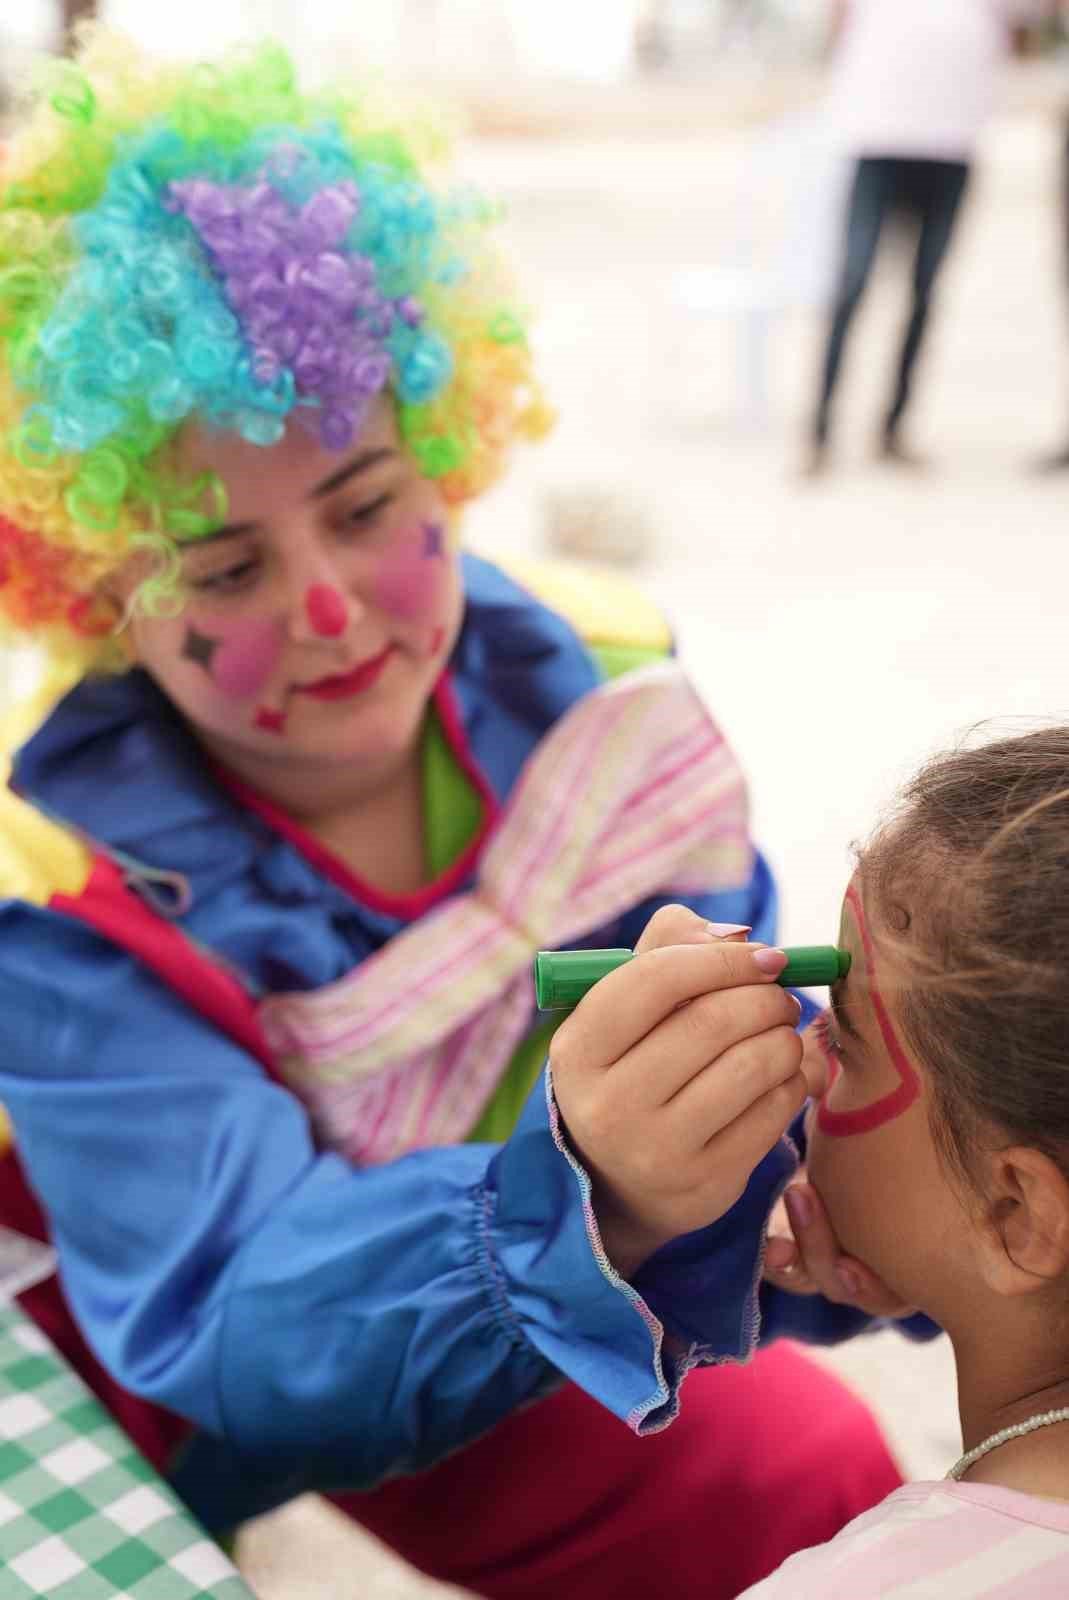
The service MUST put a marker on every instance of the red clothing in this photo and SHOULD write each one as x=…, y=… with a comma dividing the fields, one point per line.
x=562, y=1497
x=583, y=1509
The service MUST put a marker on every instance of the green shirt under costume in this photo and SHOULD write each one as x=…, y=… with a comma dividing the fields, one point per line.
x=451, y=816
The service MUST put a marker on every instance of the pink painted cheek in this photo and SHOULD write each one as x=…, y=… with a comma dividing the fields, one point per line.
x=240, y=659
x=411, y=577
x=247, y=658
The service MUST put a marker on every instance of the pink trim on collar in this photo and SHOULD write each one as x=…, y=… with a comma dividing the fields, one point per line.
x=406, y=907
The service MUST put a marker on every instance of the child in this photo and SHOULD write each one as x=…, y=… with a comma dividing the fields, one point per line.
x=280, y=859
x=939, y=1156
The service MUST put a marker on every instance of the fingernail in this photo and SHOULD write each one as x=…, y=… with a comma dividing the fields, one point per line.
x=724, y=930
x=849, y=1280
x=779, y=1254
x=797, y=1002
x=800, y=1206
x=771, y=962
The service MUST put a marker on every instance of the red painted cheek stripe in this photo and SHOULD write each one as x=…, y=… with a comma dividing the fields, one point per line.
x=327, y=611
x=843, y=1123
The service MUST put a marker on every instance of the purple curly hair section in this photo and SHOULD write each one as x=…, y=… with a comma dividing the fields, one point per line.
x=307, y=307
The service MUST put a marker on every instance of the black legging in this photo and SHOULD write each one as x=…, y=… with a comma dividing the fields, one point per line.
x=929, y=191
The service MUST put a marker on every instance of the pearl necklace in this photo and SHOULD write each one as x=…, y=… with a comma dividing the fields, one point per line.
x=1042, y=1419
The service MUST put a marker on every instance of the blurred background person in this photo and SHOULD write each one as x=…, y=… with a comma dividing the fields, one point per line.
x=912, y=86
x=35, y=27
x=72, y=12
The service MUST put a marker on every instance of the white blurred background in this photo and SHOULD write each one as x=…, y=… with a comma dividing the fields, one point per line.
x=595, y=41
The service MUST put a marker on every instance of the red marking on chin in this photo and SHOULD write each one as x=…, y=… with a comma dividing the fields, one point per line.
x=327, y=612
x=270, y=721
x=437, y=639
x=840, y=1124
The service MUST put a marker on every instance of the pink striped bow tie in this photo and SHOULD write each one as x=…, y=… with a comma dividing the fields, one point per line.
x=633, y=793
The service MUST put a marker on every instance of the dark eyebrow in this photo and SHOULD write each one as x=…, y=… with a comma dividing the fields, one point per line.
x=360, y=463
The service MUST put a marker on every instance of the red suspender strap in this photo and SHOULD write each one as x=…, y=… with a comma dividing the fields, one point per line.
x=109, y=906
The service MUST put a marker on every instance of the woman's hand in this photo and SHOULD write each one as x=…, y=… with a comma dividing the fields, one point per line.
x=674, y=1076
x=807, y=1260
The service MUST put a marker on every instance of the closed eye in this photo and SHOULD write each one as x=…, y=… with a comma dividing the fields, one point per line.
x=230, y=579
x=827, y=1036
x=363, y=516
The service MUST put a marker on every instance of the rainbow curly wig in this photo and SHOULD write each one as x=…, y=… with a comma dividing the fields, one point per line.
x=208, y=242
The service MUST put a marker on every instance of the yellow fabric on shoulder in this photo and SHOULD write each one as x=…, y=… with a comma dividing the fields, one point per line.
x=608, y=612
x=38, y=858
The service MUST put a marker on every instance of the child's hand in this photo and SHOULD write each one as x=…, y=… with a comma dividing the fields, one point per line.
x=808, y=1260
x=674, y=1076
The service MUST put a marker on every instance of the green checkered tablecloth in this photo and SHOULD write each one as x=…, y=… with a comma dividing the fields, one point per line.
x=82, y=1514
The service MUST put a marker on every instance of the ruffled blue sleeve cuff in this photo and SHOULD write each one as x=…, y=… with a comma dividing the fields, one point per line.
x=813, y=1320
x=542, y=1242
x=700, y=1300
x=704, y=1286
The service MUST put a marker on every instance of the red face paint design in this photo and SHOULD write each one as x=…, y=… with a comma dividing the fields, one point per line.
x=840, y=1124
x=270, y=721
x=410, y=578
x=437, y=639
x=326, y=610
x=241, y=662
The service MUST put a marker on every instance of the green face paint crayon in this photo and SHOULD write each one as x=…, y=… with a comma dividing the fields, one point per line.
x=562, y=977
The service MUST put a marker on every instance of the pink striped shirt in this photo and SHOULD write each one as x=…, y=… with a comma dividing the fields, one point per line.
x=937, y=1541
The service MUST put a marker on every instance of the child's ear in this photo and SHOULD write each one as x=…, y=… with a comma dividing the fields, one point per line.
x=1026, y=1234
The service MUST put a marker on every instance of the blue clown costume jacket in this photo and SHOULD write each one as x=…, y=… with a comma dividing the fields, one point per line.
x=321, y=1325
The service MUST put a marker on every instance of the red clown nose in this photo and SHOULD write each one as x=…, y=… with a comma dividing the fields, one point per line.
x=327, y=611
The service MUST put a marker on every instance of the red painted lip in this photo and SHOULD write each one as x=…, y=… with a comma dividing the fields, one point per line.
x=339, y=688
